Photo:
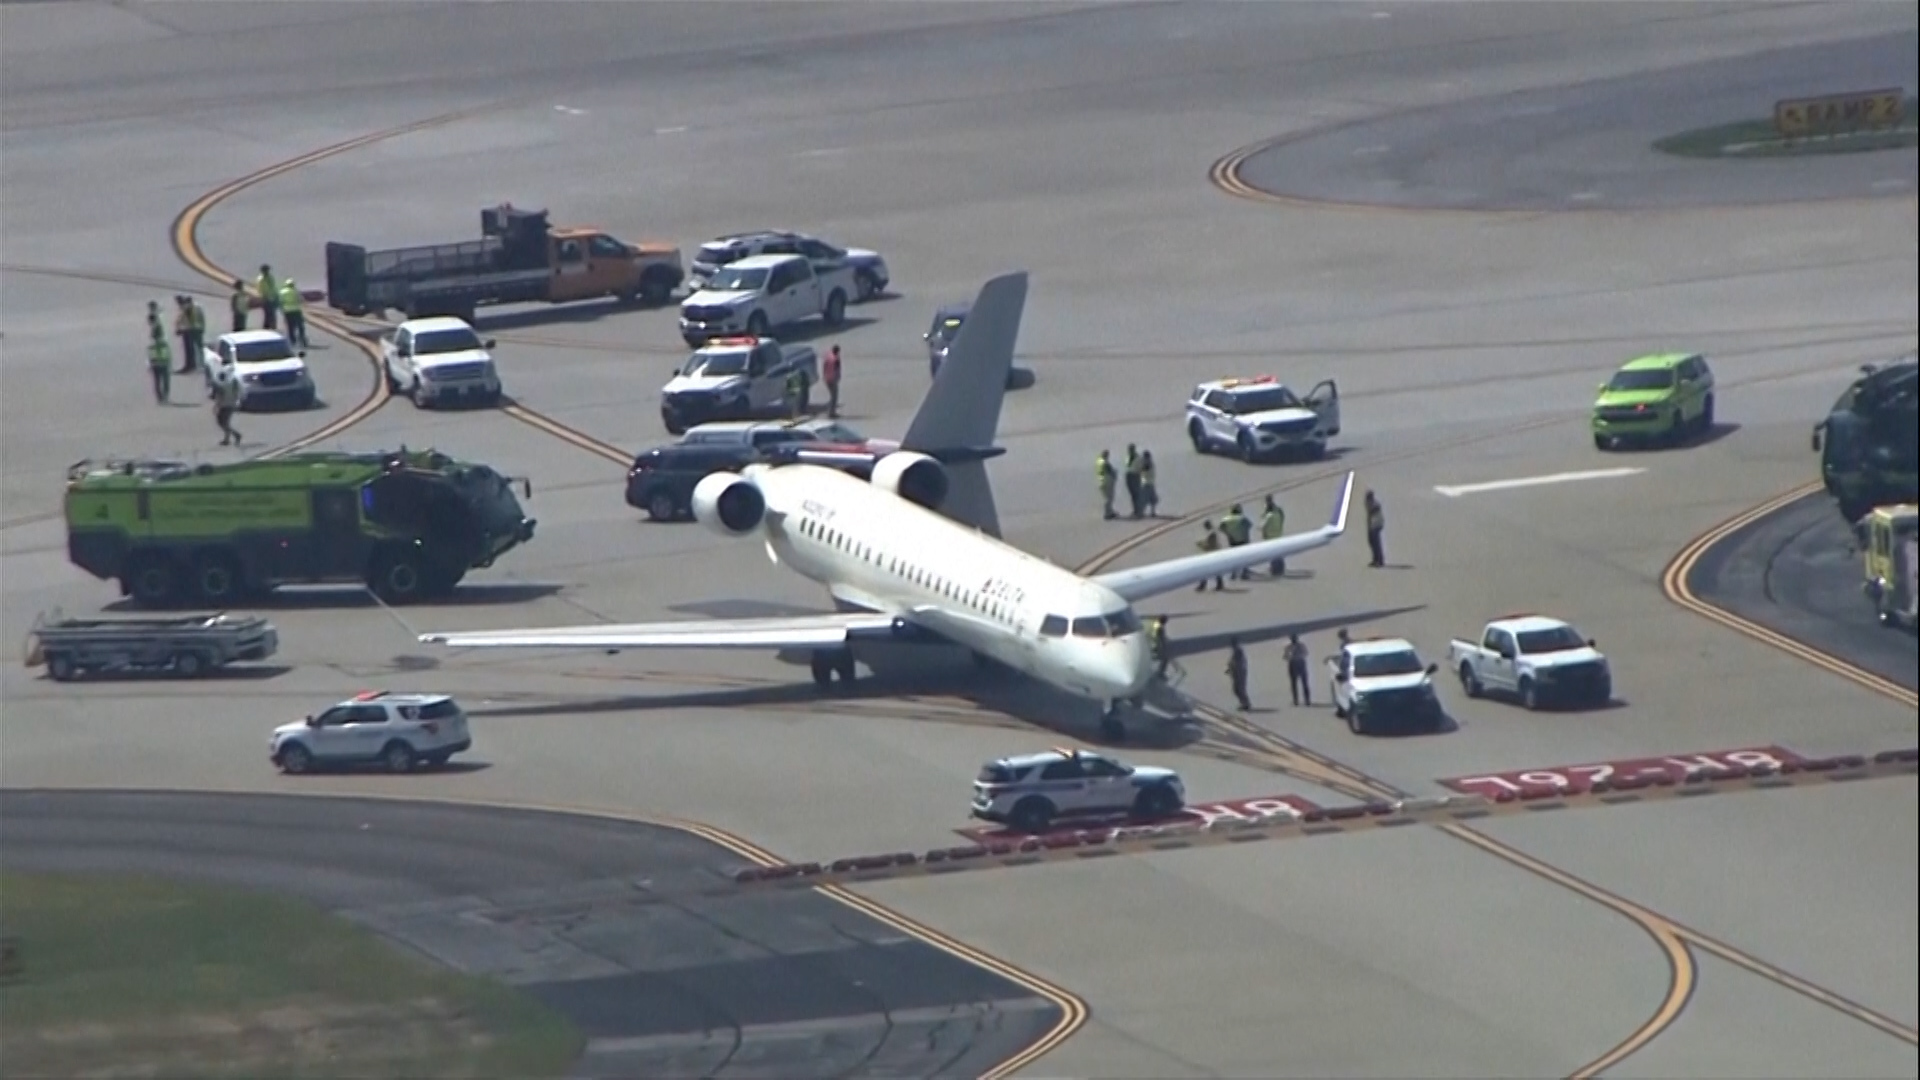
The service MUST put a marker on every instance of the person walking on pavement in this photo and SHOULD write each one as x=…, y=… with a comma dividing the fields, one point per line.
x=1273, y=525
x=197, y=326
x=1239, y=530
x=1149, y=488
x=830, y=375
x=239, y=303
x=1157, y=640
x=160, y=363
x=1133, y=479
x=153, y=318
x=226, y=398
x=293, y=309
x=1237, y=673
x=1210, y=541
x=1376, y=530
x=269, y=291
x=1297, y=683
x=1103, y=474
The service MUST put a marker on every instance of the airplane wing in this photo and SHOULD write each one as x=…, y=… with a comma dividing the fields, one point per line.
x=788, y=632
x=1144, y=581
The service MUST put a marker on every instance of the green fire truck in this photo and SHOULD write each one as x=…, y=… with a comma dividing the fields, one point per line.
x=406, y=524
x=1870, y=443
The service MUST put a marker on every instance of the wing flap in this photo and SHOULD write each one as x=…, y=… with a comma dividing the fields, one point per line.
x=1152, y=580
x=789, y=632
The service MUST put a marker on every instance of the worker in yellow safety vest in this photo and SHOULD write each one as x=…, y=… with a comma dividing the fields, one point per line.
x=160, y=363
x=1273, y=525
x=296, y=316
x=1103, y=475
x=1210, y=541
x=1239, y=531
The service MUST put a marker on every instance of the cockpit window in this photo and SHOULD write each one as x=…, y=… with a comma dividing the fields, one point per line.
x=1053, y=626
x=1119, y=624
x=1093, y=626
x=1122, y=623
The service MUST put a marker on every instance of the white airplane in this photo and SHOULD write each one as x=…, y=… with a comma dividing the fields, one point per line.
x=913, y=555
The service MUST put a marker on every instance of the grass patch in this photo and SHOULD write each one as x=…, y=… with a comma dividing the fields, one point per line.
x=132, y=977
x=1758, y=139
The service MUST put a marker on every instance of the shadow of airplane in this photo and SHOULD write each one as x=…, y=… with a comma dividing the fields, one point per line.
x=1180, y=647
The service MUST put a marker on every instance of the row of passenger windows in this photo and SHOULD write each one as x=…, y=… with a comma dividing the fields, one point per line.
x=1118, y=624
x=919, y=575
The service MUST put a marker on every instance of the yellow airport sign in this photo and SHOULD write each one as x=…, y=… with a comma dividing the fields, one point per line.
x=1799, y=118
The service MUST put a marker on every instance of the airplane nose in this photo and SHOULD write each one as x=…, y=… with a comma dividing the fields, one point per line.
x=1127, y=665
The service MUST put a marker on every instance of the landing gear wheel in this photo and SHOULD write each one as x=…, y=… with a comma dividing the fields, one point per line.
x=1111, y=728
x=822, y=670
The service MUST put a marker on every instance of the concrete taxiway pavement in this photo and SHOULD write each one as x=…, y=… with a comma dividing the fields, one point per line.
x=1072, y=141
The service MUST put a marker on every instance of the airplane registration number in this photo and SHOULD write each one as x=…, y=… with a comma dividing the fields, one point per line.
x=817, y=509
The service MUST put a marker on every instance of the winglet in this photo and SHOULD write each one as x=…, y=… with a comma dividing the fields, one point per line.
x=1339, y=523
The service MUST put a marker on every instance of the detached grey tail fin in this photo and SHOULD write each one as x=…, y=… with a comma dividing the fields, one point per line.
x=960, y=418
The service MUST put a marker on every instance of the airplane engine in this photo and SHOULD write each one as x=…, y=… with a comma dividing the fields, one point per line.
x=729, y=504
x=916, y=478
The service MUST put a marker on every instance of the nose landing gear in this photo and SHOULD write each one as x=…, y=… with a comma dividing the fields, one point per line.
x=829, y=662
x=1111, y=727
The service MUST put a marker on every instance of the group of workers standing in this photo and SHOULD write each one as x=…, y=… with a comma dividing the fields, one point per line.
x=275, y=297
x=1143, y=489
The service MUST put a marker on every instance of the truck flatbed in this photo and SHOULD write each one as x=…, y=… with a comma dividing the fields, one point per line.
x=188, y=646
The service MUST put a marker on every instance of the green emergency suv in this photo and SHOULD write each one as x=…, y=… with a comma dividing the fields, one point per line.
x=1665, y=398
x=406, y=524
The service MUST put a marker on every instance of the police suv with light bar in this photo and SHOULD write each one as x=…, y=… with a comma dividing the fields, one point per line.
x=1260, y=418
x=395, y=731
x=1029, y=791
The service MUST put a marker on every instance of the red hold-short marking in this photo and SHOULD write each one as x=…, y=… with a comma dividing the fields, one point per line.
x=1627, y=775
x=1197, y=814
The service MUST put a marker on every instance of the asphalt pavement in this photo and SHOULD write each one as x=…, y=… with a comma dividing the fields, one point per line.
x=1798, y=571
x=568, y=908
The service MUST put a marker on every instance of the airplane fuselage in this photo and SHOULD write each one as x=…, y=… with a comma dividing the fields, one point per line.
x=875, y=550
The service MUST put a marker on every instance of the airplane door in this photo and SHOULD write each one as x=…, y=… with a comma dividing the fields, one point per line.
x=1324, y=400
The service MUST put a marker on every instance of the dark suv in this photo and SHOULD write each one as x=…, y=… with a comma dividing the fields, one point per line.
x=661, y=480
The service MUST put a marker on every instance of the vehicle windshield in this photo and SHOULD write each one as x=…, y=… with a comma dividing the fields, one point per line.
x=1558, y=639
x=260, y=352
x=731, y=362
x=1255, y=401
x=715, y=255
x=1641, y=379
x=834, y=432
x=1119, y=624
x=1377, y=665
x=728, y=279
x=946, y=329
x=435, y=342
x=995, y=773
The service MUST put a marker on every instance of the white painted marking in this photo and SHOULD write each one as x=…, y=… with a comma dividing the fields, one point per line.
x=1584, y=196
x=1383, y=14
x=670, y=130
x=1369, y=151
x=1457, y=490
x=569, y=110
x=828, y=151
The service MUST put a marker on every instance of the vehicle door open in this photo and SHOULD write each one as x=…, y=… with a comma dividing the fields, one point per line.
x=1324, y=400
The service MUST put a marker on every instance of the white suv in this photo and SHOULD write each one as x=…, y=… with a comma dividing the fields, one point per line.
x=1029, y=791
x=1261, y=418
x=396, y=731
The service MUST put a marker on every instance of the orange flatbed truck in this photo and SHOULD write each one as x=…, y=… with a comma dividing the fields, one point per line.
x=519, y=259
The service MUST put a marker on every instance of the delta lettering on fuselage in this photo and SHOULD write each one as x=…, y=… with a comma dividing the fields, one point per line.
x=1001, y=589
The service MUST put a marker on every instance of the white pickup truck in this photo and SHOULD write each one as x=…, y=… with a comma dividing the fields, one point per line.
x=1538, y=660
x=269, y=372
x=758, y=294
x=435, y=361
x=1383, y=683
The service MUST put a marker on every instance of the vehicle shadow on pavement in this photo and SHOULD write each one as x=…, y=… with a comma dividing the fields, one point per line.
x=238, y=672
x=1706, y=438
